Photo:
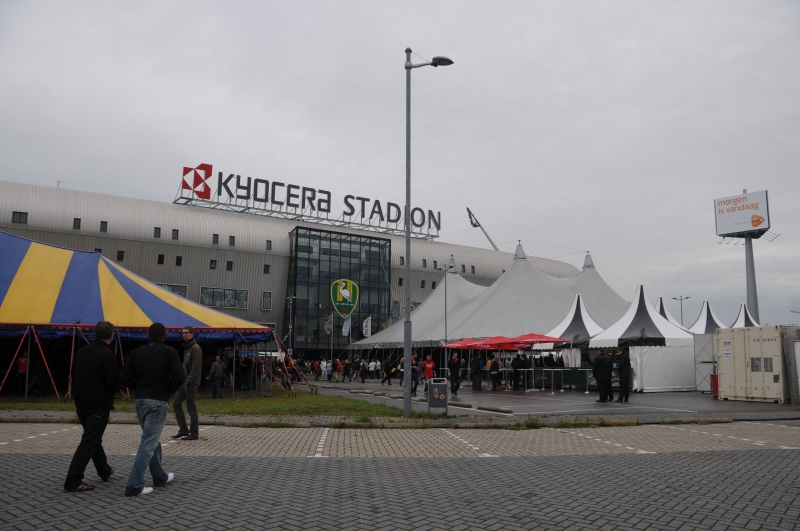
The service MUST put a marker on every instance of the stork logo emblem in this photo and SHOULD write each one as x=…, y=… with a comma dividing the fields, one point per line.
x=344, y=296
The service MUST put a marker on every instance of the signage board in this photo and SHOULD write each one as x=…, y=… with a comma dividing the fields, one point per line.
x=344, y=296
x=744, y=214
x=229, y=191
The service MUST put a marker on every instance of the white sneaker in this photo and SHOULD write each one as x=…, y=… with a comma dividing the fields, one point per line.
x=170, y=477
x=146, y=490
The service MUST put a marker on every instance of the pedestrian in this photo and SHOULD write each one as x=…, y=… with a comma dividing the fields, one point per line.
x=154, y=371
x=329, y=369
x=94, y=384
x=527, y=365
x=387, y=373
x=516, y=366
x=624, y=376
x=22, y=375
x=453, y=372
x=428, y=371
x=416, y=374
x=363, y=370
x=372, y=369
x=317, y=370
x=601, y=370
x=216, y=373
x=192, y=367
x=402, y=368
x=475, y=372
x=378, y=368
x=494, y=372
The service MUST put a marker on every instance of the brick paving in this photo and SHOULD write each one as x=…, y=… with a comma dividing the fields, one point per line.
x=737, y=476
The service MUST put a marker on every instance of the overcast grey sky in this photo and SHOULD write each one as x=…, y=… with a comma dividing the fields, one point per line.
x=604, y=126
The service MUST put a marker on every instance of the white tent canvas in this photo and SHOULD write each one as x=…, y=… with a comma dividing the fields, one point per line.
x=662, y=354
x=578, y=327
x=744, y=319
x=661, y=308
x=707, y=322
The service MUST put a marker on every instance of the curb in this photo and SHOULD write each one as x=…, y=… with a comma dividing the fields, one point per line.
x=495, y=409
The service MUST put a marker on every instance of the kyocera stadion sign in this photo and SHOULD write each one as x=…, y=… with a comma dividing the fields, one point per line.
x=230, y=191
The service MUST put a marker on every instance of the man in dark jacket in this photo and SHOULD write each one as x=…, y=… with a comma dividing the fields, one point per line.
x=475, y=372
x=193, y=368
x=516, y=365
x=624, y=376
x=601, y=369
x=93, y=387
x=454, y=373
x=154, y=371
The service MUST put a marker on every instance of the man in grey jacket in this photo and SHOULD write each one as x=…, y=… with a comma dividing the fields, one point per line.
x=215, y=374
x=192, y=366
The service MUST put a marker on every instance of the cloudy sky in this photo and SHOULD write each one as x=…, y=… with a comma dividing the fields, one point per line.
x=600, y=126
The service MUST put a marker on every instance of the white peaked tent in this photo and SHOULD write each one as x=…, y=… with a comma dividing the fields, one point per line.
x=662, y=354
x=744, y=319
x=430, y=314
x=707, y=322
x=604, y=305
x=661, y=308
x=578, y=327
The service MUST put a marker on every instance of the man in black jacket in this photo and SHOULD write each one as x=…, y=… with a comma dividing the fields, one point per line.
x=624, y=376
x=516, y=365
x=154, y=371
x=93, y=387
x=601, y=369
x=192, y=367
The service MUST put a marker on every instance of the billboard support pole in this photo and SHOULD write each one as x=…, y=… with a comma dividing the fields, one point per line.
x=752, y=291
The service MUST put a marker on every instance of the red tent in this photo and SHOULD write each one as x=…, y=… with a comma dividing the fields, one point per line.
x=465, y=344
x=531, y=339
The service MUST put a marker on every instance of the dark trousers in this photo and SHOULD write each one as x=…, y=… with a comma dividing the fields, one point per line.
x=187, y=393
x=455, y=383
x=604, y=386
x=476, y=381
x=94, y=422
x=217, y=390
x=515, y=379
x=624, y=386
x=387, y=377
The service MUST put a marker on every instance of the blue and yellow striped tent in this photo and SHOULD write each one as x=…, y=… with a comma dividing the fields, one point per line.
x=56, y=289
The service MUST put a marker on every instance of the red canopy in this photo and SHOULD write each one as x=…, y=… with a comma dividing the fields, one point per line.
x=504, y=343
x=462, y=344
x=530, y=339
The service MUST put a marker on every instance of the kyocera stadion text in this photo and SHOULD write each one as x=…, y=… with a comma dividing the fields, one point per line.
x=302, y=197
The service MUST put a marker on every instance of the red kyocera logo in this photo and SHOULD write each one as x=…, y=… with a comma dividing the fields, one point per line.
x=196, y=179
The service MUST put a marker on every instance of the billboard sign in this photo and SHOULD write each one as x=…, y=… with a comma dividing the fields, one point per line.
x=743, y=214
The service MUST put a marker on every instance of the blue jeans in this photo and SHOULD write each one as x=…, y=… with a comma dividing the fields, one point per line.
x=152, y=417
x=217, y=390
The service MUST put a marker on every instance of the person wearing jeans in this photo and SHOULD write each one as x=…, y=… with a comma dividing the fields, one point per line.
x=192, y=367
x=216, y=373
x=153, y=371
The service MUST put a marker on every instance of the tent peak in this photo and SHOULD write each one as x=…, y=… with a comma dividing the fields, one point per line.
x=588, y=263
x=451, y=265
x=520, y=252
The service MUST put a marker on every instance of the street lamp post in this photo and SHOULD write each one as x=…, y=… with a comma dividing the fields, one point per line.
x=436, y=61
x=681, y=298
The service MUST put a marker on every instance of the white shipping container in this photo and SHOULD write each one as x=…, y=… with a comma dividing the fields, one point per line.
x=750, y=364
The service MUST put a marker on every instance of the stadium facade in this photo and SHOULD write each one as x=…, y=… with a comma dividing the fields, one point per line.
x=265, y=269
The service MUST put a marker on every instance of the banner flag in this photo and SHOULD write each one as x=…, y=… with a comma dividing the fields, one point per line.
x=328, y=324
x=367, y=327
x=346, y=327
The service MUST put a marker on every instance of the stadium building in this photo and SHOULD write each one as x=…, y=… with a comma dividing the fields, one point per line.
x=264, y=252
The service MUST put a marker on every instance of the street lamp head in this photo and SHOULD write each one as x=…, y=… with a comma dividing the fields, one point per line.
x=441, y=60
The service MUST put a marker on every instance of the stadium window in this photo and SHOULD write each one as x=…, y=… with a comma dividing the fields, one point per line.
x=231, y=240
x=223, y=298
x=161, y=259
x=433, y=284
x=156, y=232
x=178, y=261
x=266, y=269
x=472, y=269
x=266, y=300
x=424, y=263
x=400, y=281
x=422, y=285
x=402, y=260
x=98, y=250
x=213, y=264
x=76, y=224
x=19, y=217
x=463, y=268
x=120, y=256
x=174, y=234
x=229, y=266
x=176, y=289
x=104, y=226
x=215, y=239
x=269, y=245
x=435, y=264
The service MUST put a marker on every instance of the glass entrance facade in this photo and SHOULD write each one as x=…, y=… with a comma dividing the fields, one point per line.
x=317, y=259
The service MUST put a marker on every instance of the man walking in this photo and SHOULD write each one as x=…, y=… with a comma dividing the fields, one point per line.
x=601, y=369
x=453, y=372
x=154, y=371
x=93, y=387
x=216, y=373
x=192, y=367
x=428, y=371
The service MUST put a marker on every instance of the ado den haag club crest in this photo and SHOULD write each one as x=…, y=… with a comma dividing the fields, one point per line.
x=344, y=295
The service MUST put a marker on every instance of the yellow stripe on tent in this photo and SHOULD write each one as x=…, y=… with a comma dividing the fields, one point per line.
x=118, y=307
x=34, y=291
x=211, y=318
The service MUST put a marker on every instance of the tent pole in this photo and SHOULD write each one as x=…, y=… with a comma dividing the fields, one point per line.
x=28, y=366
x=71, y=358
x=122, y=358
x=21, y=341
x=46, y=366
